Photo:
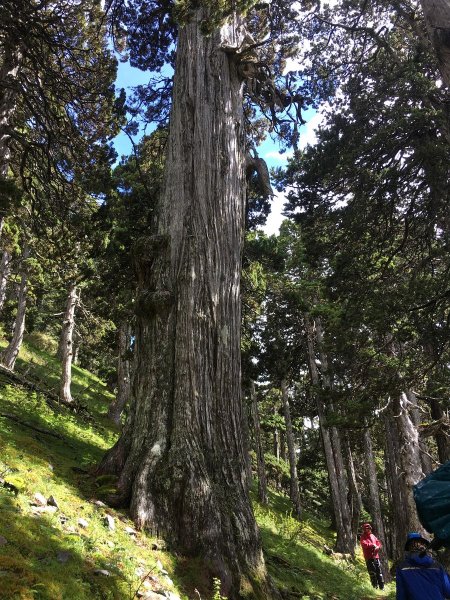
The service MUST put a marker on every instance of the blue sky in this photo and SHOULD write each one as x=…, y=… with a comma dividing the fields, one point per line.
x=127, y=77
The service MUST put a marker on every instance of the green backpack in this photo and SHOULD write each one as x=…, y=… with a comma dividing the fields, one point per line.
x=432, y=497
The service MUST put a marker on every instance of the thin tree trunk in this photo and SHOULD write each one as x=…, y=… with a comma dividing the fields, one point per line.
x=66, y=345
x=348, y=540
x=260, y=460
x=9, y=355
x=294, y=492
x=396, y=487
x=181, y=458
x=276, y=442
x=375, y=504
x=76, y=351
x=344, y=542
x=5, y=270
x=283, y=453
x=123, y=373
x=354, y=493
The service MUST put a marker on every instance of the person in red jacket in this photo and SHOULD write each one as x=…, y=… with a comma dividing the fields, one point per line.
x=370, y=545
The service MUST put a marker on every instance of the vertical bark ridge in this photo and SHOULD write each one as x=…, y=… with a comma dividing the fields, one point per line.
x=182, y=459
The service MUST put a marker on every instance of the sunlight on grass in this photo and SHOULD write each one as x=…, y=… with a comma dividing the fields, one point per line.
x=51, y=556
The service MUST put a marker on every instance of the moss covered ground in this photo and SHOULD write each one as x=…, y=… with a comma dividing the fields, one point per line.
x=69, y=552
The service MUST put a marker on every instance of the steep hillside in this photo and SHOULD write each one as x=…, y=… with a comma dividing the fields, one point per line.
x=58, y=540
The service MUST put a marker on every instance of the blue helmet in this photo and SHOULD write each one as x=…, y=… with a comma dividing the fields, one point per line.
x=413, y=536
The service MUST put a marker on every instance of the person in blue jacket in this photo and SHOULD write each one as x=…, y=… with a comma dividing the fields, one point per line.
x=419, y=576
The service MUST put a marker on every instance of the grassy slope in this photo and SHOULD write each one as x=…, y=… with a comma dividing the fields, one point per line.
x=30, y=562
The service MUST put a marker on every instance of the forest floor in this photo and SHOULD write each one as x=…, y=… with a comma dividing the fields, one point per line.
x=59, y=541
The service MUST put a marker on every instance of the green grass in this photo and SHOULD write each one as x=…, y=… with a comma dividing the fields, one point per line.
x=297, y=563
x=32, y=461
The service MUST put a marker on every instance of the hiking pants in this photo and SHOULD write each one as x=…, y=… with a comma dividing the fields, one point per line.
x=374, y=570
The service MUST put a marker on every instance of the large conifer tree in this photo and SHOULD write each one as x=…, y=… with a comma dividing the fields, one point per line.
x=181, y=460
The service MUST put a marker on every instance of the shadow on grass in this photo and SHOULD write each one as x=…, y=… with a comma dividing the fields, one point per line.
x=67, y=444
x=42, y=562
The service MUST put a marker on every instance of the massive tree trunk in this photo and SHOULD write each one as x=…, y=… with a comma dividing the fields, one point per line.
x=437, y=19
x=294, y=492
x=66, y=345
x=374, y=499
x=260, y=461
x=123, y=373
x=331, y=444
x=5, y=270
x=181, y=461
x=9, y=355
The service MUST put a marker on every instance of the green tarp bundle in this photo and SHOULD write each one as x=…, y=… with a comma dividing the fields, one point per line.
x=432, y=497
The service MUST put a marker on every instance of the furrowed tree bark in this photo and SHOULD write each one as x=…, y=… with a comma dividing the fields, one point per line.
x=437, y=19
x=123, y=373
x=410, y=458
x=9, y=355
x=66, y=345
x=396, y=487
x=294, y=492
x=260, y=460
x=425, y=458
x=180, y=460
x=442, y=444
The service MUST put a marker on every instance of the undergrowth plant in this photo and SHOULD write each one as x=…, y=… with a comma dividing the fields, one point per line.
x=216, y=587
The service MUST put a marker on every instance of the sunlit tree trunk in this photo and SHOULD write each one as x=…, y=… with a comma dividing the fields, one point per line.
x=354, y=495
x=294, y=492
x=181, y=459
x=276, y=440
x=123, y=373
x=9, y=67
x=260, y=461
x=9, y=355
x=66, y=345
x=410, y=456
x=5, y=270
